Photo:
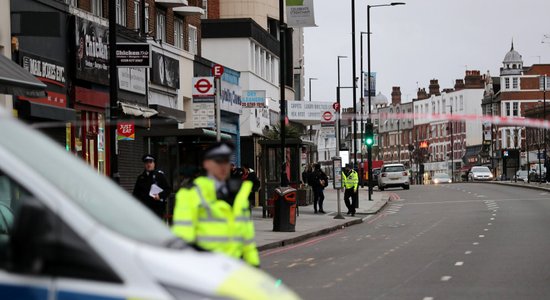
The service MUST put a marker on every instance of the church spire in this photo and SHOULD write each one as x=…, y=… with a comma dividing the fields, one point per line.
x=512, y=49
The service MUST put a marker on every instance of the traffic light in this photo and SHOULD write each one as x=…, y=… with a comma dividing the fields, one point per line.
x=369, y=135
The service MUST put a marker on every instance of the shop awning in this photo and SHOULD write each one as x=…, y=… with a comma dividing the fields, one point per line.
x=28, y=109
x=187, y=11
x=169, y=113
x=175, y=132
x=15, y=80
x=137, y=110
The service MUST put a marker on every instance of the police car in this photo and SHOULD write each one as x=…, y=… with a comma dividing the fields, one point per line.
x=69, y=233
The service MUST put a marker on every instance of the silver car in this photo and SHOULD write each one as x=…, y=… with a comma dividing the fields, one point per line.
x=480, y=174
x=393, y=175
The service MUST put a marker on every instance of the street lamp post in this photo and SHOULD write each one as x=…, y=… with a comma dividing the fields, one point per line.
x=362, y=109
x=369, y=120
x=310, y=126
x=282, y=63
x=338, y=100
x=544, y=78
x=452, y=146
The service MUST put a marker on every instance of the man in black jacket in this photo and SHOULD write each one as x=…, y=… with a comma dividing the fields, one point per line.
x=152, y=187
x=318, y=182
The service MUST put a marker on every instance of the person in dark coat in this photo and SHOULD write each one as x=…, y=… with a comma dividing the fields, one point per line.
x=147, y=182
x=249, y=174
x=318, y=182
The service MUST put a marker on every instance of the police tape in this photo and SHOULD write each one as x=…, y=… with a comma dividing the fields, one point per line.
x=484, y=119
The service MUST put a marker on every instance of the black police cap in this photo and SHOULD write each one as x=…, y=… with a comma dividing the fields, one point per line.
x=219, y=151
x=147, y=157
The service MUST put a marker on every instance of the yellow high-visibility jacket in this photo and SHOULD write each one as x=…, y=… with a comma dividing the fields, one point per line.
x=351, y=181
x=214, y=225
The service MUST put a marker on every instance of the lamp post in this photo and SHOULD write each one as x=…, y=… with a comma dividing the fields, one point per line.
x=310, y=126
x=544, y=83
x=452, y=146
x=338, y=100
x=362, y=108
x=282, y=75
x=369, y=120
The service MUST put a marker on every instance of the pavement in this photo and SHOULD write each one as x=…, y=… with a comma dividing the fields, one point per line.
x=310, y=225
x=544, y=186
x=455, y=241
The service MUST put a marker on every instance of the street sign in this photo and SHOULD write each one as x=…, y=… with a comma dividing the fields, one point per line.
x=328, y=119
x=203, y=89
x=217, y=71
x=137, y=55
x=253, y=99
x=336, y=106
x=126, y=131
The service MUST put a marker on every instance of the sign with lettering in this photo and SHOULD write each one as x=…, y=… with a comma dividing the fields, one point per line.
x=253, y=99
x=51, y=73
x=92, y=51
x=136, y=55
x=126, y=131
x=307, y=111
x=132, y=80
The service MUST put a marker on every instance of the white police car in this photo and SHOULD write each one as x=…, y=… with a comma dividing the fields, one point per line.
x=68, y=233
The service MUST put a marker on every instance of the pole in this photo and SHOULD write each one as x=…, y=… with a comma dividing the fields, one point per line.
x=544, y=118
x=369, y=95
x=338, y=200
x=362, y=112
x=452, y=149
x=143, y=30
x=218, y=84
x=113, y=93
x=354, y=82
x=282, y=63
x=338, y=128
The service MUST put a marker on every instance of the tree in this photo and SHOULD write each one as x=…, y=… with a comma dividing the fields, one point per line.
x=274, y=133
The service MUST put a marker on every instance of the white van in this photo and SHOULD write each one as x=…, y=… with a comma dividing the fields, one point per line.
x=69, y=233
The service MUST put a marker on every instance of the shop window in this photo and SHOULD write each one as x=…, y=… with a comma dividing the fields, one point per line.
x=90, y=139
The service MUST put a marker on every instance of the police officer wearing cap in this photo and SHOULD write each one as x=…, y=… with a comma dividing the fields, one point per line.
x=212, y=213
x=150, y=196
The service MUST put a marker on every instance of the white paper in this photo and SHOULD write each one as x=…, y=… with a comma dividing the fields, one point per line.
x=155, y=190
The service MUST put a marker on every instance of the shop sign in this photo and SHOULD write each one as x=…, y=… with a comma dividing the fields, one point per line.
x=253, y=99
x=136, y=55
x=231, y=95
x=132, y=80
x=92, y=52
x=126, y=131
x=165, y=71
x=51, y=73
x=307, y=111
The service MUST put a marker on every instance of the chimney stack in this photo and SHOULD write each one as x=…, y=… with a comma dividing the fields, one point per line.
x=459, y=84
x=474, y=80
x=421, y=94
x=434, y=87
x=396, y=95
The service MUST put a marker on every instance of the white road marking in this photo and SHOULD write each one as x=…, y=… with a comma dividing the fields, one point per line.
x=486, y=229
x=481, y=196
x=492, y=219
x=481, y=236
x=489, y=224
x=428, y=298
x=468, y=252
x=475, y=243
x=459, y=263
x=494, y=215
x=446, y=278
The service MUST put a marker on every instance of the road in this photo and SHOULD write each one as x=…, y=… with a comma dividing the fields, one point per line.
x=456, y=241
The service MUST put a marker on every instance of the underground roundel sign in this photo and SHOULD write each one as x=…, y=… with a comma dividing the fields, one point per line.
x=327, y=118
x=203, y=86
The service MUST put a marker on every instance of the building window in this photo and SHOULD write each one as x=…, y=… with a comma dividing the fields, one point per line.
x=178, y=33
x=443, y=106
x=137, y=14
x=541, y=83
x=252, y=55
x=268, y=70
x=161, y=25
x=121, y=12
x=515, y=84
x=515, y=110
x=193, y=40
x=97, y=7
x=507, y=104
x=461, y=103
x=257, y=59
x=507, y=83
x=73, y=3
x=262, y=63
x=274, y=75
x=205, y=7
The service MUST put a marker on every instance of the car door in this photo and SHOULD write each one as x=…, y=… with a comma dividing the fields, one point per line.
x=14, y=282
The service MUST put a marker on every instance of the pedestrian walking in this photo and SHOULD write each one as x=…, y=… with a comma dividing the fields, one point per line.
x=318, y=182
x=212, y=213
x=152, y=187
x=250, y=175
x=306, y=174
x=350, y=180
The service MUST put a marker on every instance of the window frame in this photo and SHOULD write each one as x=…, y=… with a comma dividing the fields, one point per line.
x=121, y=12
x=137, y=14
x=179, y=35
x=192, y=39
x=161, y=25
x=96, y=7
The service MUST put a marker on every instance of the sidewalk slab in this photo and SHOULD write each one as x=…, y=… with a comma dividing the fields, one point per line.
x=534, y=186
x=310, y=225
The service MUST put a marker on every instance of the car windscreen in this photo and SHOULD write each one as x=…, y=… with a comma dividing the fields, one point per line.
x=97, y=195
x=394, y=169
x=481, y=169
x=441, y=175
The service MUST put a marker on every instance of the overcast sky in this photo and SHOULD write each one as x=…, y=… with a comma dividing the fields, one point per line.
x=422, y=40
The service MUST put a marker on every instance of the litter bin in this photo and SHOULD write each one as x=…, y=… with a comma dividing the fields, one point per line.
x=284, y=219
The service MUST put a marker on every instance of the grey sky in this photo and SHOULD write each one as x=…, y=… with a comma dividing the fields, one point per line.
x=422, y=40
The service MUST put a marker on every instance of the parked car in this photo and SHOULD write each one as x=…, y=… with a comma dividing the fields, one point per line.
x=440, y=178
x=480, y=173
x=70, y=233
x=521, y=175
x=535, y=176
x=393, y=175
